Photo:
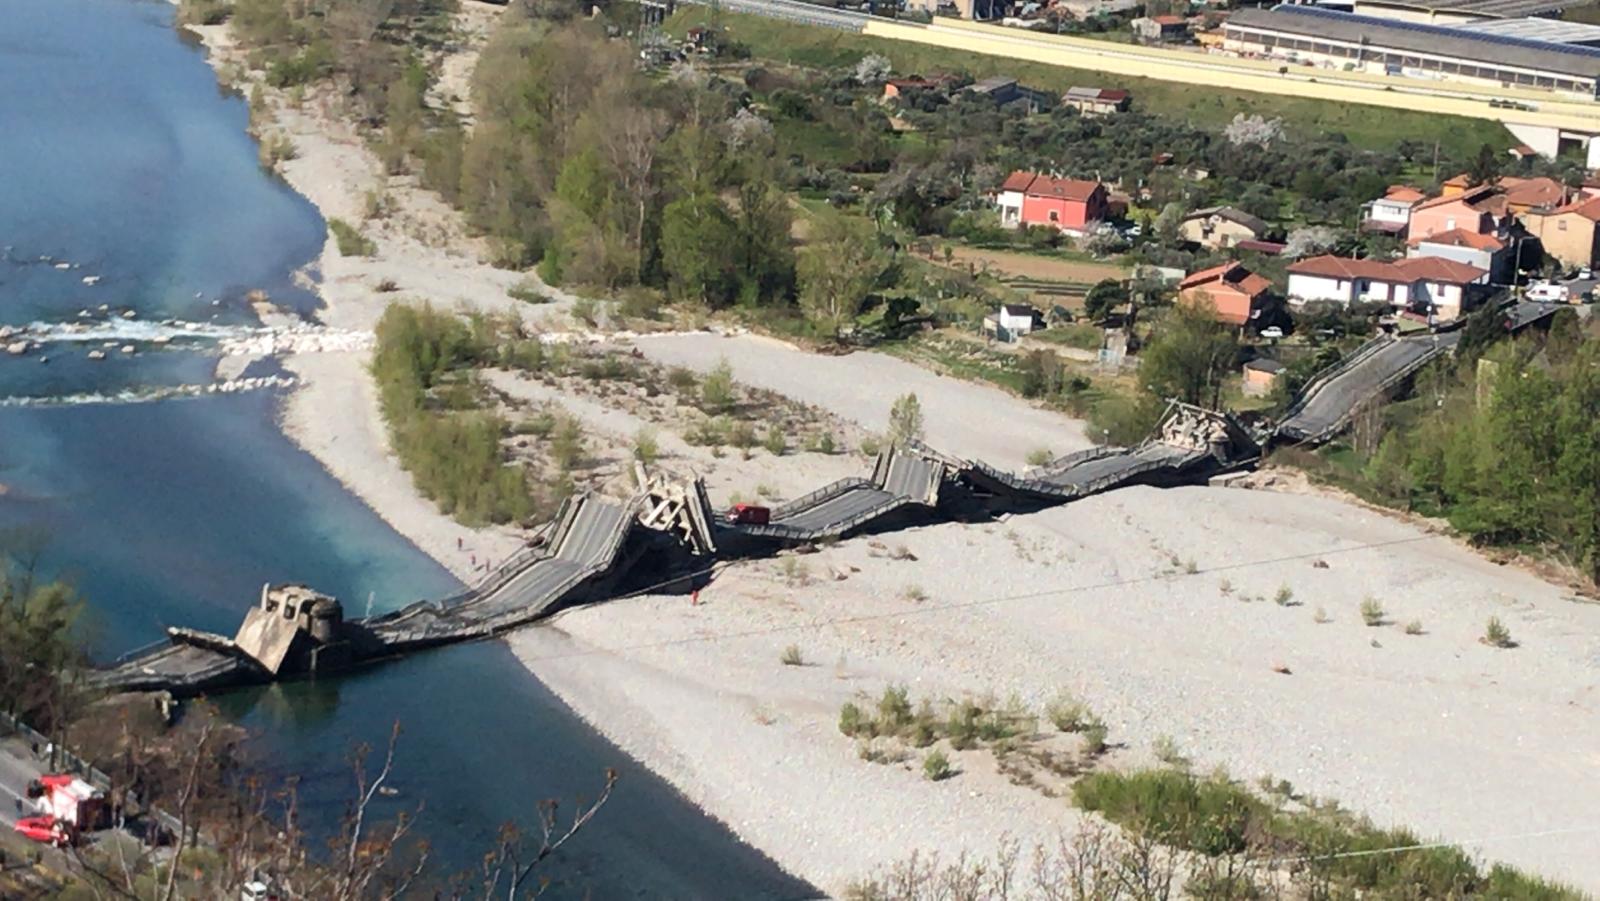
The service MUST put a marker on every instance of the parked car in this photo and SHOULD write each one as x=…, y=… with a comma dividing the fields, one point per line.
x=1544, y=291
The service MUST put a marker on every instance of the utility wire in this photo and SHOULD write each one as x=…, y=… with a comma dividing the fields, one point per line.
x=923, y=609
x=1431, y=846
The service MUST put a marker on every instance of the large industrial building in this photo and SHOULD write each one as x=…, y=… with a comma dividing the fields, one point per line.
x=1365, y=43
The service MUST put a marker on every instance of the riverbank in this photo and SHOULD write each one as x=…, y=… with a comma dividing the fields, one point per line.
x=421, y=251
x=1432, y=730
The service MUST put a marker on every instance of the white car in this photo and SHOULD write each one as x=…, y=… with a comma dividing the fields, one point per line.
x=1548, y=292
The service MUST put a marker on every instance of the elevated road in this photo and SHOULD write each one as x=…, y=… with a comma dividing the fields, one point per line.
x=1546, y=109
x=1333, y=396
x=900, y=480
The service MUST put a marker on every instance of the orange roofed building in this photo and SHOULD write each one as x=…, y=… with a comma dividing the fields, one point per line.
x=1068, y=204
x=1237, y=293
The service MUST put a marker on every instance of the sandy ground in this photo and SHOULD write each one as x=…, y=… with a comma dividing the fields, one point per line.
x=424, y=250
x=759, y=477
x=961, y=418
x=1435, y=731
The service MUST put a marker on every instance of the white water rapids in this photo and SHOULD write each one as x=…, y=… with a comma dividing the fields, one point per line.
x=111, y=338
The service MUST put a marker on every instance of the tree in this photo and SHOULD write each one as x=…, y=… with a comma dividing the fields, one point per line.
x=696, y=233
x=872, y=69
x=838, y=269
x=1190, y=356
x=905, y=420
x=1485, y=167
x=1314, y=239
x=1103, y=298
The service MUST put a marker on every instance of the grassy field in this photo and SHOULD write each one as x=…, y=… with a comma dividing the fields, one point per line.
x=1365, y=126
x=1047, y=266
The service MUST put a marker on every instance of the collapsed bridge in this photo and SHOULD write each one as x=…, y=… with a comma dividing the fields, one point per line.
x=594, y=544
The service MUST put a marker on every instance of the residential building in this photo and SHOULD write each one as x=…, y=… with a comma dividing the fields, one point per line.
x=1391, y=213
x=897, y=87
x=1161, y=28
x=1486, y=252
x=1569, y=233
x=1434, y=284
x=1472, y=209
x=1380, y=46
x=1220, y=227
x=1517, y=195
x=1259, y=375
x=1069, y=204
x=1000, y=89
x=1012, y=321
x=1237, y=293
x=1096, y=101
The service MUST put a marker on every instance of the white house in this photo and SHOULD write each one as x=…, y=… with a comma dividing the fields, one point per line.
x=1011, y=321
x=1432, y=284
x=1486, y=252
x=1391, y=213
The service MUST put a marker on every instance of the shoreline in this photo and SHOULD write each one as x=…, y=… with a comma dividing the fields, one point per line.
x=754, y=743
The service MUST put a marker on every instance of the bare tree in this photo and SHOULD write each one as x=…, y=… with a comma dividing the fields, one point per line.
x=512, y=862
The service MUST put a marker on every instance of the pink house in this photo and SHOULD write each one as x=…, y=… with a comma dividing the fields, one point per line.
x=1471, y=210
x=1069, y=204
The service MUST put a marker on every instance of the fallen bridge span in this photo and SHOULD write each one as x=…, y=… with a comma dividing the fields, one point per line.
x=586, y=553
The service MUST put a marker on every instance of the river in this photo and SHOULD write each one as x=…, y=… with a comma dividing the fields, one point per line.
x=128, y=181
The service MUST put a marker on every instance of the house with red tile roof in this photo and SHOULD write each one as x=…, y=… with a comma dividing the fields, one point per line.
x=1391, y=213
x=1237, y=293
x=1487, y=252
x=1069, y=204
x=1439, y=286
x=1569, y=233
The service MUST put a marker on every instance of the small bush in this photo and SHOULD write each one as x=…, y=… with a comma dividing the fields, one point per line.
x=822, y=443
x=1068, y=714
x=529, y=291
x=792, y=656
x=743, y=436
x=586, y=311
x=914, y=593
x=645, y=447
x=924, y=726
x=1094, y=738
x=936, y=766
x=1039, y=456
x=1414, y=627
x=351, y=242
x=566, y=445
x=682, y=379
x=716, y=392
x=870, y=445
x=776, y=441
x=852, y=721
x=1496, y=635
x=961, y=725
x=1166, y=751
x=894, y=709
x=1284, y=597
x=1372, y=612
x=1190, y=566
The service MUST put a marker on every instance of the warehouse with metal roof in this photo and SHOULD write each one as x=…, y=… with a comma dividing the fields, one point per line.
x=1356, y=42
x=1441, y=12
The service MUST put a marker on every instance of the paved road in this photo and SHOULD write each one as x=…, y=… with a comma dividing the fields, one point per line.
x=1333, y=401
x=17, y=767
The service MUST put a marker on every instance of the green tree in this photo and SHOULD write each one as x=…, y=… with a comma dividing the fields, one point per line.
x=838, y=269
x=1485, y=167
x=1105, y=296
x=696, y=233
x=905, y=420
x=1190, y=356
